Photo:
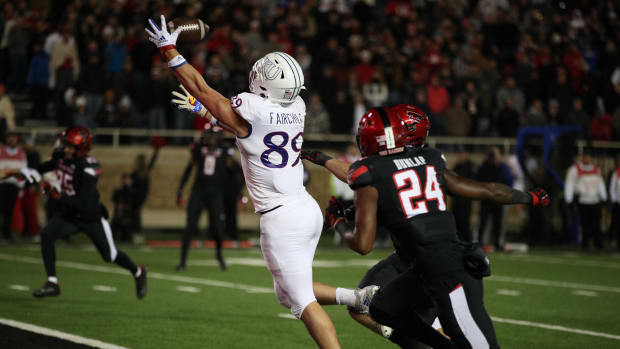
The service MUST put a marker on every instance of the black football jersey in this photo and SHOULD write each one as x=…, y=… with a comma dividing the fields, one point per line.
x=412, y=202
x=210, y=166
x=79, y=197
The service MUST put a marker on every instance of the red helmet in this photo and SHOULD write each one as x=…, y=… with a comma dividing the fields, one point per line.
x=79, y=137
x=383, y=129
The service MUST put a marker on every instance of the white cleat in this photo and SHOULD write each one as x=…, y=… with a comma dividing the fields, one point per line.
x=386, y=331
x=363, y=297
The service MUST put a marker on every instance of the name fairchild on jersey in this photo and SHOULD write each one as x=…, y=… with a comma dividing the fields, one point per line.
x=286, y=118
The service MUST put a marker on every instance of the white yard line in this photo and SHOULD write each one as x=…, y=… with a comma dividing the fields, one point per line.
x=257, y=289
x=567, y=260
x=555, y=328
x=152, y=275
x=57, y=334
x=549, y=283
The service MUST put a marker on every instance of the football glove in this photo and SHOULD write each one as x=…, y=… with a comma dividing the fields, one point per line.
x=334, y=213
x=188, y=102
x=160, y=37
x=540, y=197
x=50, y=190
x=30, y=174
x=315, y=156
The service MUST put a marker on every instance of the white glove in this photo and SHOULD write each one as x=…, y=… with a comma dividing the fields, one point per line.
x=161, y=37
x=188, y=102
x=30, y=174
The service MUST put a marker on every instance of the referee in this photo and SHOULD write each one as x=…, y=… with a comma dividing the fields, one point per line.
x=207, y=192
x=584, y=181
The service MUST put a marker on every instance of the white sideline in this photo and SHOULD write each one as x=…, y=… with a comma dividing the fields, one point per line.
x=555, y=328
x=562, y=284
x=257, y=289
x=152, y=275
x=57, y=334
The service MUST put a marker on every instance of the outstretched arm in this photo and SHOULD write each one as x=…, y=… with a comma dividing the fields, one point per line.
x=491, y=191
x=189, y=77
x=360, y=236
x=337, y=167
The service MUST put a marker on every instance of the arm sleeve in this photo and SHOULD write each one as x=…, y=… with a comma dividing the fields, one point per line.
x=242, y=105
x=359, y=175
x=612, y=187
x=569, y=184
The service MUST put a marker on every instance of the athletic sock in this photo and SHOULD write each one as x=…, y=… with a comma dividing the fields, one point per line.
x=52, y=279
x=345, y=296
x=124, y=261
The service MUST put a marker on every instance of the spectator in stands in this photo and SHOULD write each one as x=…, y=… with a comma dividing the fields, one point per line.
x=510, y=90
x=535, y=116
x=561, y=90
x=92, y=81
x=493, y=169
x=375, y=91
x=437, y=96
x=317, y=118
x=64, y=71
x=12, y=158
x=18, y=41
x=457, y=119
x=555, y=118
x=508, y=120
x=462, y=207
x=472, y=106
x=7, y=114
x=359, y=109
x=38, y=81
x=578, y=117
x=159, y=96
x=601, y=128
x=584, y=181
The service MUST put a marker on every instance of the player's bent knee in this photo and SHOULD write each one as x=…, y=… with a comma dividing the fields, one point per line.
x=298, y=309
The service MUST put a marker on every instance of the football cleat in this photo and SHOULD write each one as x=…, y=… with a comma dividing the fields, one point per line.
x=50, y=289
x=386, y=331
x=141, y=283
x=180, y=268
x=363, y=297
x=220, y=259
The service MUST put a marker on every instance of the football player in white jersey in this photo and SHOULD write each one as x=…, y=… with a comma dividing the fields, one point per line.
x=269, y=125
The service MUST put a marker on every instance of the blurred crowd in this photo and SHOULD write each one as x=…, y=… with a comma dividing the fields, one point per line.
x=477, y=67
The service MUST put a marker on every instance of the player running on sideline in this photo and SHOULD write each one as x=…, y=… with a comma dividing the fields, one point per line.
x=268, y=123
x=81, y=209
x=404, y=183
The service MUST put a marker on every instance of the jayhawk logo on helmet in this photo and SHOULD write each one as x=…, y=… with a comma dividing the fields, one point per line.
x=192, y=100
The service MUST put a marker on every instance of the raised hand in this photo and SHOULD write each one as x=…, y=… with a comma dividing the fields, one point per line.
x=188, y=102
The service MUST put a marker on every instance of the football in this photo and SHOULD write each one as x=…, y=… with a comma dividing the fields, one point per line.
x=193, y=29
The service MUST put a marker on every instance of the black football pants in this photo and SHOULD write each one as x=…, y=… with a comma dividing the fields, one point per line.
x=199, y=200
x=590, y=218
x=99, y=233
x=457, y=297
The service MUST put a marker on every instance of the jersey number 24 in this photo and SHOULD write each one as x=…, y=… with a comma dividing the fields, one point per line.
x=410, y=191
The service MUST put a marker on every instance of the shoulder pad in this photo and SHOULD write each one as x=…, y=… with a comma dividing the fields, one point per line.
x=91, y=166
x=359, y=174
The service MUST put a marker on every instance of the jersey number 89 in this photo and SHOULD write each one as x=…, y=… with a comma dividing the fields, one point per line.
x=279, y=148
x=409, y=189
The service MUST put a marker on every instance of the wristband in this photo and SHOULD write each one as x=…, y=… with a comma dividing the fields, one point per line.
x=176, y=62
x=163, y=49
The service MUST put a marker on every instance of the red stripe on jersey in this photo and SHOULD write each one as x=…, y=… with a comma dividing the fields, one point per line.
x=457, y=287
x=353, y=175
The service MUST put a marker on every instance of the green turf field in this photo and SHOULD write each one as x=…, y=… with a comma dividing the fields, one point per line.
x=545, y=299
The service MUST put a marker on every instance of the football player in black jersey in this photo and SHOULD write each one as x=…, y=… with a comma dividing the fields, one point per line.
x=80, y=208
x=402, y=183
x=207, y=192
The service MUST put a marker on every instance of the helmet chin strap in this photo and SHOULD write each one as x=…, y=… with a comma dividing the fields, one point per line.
x=390, y=143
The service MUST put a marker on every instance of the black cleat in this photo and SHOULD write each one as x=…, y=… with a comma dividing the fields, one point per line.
x=220, y=260
x=141, y=283
x=180, y=267
x=50, y=289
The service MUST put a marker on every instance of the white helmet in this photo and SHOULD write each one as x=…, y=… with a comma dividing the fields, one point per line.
x=277, y=77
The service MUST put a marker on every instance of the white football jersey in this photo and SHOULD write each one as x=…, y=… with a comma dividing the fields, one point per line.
x=270, y=154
